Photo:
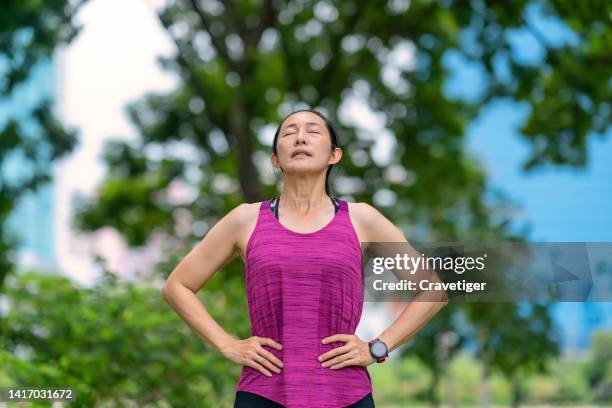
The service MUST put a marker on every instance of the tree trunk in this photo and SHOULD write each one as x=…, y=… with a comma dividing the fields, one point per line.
x=485, y=394
x=433, y=389
x=517, y=392
x=453, y=397
x=240, y=135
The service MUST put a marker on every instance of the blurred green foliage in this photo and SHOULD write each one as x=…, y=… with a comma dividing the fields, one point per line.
x=600, y=370
x=113, y=343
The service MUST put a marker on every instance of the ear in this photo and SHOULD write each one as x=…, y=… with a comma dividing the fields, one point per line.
x=335, y=156
x=274, y=161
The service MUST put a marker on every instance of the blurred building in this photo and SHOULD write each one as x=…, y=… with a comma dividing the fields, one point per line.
x=32, y=219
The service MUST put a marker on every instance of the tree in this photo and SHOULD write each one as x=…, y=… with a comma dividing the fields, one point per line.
x=599, y=369
x=434, y=346
x=243, y=64
x=517, y=339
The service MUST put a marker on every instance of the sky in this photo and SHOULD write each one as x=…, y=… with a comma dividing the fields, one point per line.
x=562, y=204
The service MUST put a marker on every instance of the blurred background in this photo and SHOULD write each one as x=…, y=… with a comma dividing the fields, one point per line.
x=128, y=128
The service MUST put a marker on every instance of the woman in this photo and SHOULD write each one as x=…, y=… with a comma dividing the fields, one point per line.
x=304, y=282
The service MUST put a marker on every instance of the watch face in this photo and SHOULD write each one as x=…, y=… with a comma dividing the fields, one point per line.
x=379, y=349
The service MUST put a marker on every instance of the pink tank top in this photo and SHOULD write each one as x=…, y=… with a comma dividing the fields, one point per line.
x=301, y=288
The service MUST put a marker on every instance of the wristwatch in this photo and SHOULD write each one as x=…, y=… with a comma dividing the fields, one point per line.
x=378, y=350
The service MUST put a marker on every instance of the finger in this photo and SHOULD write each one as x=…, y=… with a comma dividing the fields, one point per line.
x=266, y=363
x=270, y=342
x=254, y=364
x=271, y=357
x=345, y=363
x=338, y=359
x=334, y=352
x=337, y=337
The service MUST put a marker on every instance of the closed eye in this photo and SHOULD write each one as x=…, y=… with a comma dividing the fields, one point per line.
x=293, y=133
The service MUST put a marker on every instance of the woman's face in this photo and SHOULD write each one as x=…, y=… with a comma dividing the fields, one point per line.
x=304, y=145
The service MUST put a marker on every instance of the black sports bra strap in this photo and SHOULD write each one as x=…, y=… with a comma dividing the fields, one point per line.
x=274, y=205
x=336, y=204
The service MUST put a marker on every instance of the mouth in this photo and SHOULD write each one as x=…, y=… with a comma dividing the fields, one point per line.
x=300, y=154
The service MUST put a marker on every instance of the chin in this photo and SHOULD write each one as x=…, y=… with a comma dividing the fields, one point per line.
x=304, y=168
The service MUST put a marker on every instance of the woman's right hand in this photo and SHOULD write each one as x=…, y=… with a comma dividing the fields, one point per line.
x=250, y=352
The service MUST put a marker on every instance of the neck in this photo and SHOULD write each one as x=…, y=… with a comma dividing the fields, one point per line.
x=303, y=195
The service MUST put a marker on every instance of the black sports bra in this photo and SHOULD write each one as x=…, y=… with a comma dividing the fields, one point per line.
x=274, y=205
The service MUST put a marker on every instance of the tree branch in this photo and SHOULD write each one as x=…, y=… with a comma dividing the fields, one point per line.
x=267, y=17
x=331, y=67
x=218, y=43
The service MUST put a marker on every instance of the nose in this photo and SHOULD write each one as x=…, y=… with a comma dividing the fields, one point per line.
x=300, y=136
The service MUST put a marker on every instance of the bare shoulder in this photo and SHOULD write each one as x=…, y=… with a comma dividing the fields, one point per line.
x=234, y=225
x=244, y=213
x=243, y=219
x=371, y=225
x=221, y=243
x=364, y=213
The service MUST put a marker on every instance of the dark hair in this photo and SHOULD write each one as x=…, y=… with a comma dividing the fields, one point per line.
x=330, y=129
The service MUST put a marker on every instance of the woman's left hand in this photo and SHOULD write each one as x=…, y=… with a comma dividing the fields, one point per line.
x=354, y=352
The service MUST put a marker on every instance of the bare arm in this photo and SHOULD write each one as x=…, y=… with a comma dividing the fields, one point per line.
x=220, y=246
x=216, y=249
x=375, y=227
x=418, y=312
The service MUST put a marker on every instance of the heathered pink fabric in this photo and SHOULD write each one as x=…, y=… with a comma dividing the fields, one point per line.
x=301, y=288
